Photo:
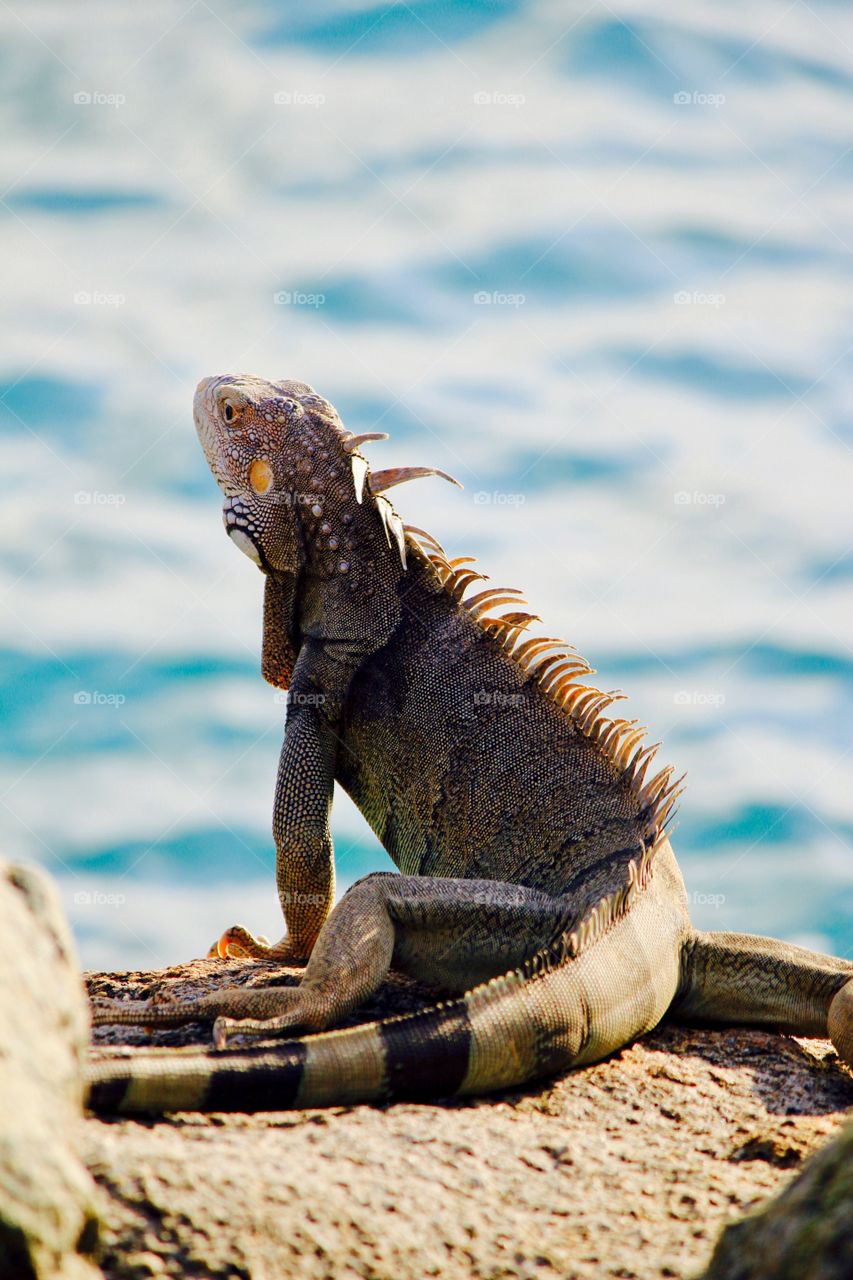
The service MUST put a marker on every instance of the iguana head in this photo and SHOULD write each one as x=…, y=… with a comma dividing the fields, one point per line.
x=300, y=502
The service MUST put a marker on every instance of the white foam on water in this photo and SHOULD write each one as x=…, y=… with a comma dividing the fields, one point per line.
x=653, y=434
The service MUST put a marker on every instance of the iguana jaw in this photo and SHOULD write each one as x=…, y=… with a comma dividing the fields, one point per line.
x=238, y=449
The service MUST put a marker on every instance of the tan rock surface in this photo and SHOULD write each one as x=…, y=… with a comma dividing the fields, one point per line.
x=804, y=1233
x=626, y=1169
x=47, y=1198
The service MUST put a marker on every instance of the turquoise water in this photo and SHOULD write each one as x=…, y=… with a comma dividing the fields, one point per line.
x=594, y=261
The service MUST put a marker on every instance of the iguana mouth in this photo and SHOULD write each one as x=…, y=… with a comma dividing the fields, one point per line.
x=208, y=436
x=241, y=528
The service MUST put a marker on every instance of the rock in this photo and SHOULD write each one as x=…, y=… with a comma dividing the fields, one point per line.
x=625, y=1169
x=48, y=1217
x=805, y=1233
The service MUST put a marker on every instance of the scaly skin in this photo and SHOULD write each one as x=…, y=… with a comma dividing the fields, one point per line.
x=537, y=880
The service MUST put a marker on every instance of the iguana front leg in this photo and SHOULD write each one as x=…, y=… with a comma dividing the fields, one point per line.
x=305, y=872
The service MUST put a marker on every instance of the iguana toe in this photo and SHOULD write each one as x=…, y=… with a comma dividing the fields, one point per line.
x=291, y=1009
x=237, y=943
x=126, y=1012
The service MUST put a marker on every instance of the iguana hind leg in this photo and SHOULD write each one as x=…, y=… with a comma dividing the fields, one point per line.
x=450, y=933
x=737, y=977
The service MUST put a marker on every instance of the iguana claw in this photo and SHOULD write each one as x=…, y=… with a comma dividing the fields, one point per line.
x=238, y=943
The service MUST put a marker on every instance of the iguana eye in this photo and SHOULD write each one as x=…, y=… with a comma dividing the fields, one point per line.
x=228, y=411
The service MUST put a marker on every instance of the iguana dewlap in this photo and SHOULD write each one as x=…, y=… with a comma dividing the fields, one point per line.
x=537, y=880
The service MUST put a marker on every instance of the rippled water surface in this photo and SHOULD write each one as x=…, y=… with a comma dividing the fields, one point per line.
x=595, y=260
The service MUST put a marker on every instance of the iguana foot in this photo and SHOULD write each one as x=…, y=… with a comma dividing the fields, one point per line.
x=290, y=1009
x=840, y=1023
x=162, y=1010
x=238, y=943
x=254, y=1011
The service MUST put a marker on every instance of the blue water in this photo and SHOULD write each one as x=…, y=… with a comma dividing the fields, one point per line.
x=594, y=261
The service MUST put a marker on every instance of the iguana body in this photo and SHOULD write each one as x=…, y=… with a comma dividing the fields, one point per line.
x=537, y=878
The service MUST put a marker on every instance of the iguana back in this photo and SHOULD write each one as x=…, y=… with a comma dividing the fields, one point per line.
x=472, y=753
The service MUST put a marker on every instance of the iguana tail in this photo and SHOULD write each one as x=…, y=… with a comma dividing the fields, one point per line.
x=592, y=992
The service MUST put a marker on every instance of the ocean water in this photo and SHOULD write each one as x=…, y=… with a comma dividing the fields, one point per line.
x=593, y=259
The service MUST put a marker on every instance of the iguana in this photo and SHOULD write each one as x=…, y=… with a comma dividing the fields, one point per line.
x=537, y=884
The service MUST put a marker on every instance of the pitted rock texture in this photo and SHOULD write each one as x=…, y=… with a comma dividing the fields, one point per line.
x=626, y=1169
x=804, y=1233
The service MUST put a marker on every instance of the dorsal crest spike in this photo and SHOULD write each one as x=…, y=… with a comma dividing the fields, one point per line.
x=382, y=480
x=359, y=475
x=422, y=536
x=351, y=443
x=559, y=673
x=462, y=578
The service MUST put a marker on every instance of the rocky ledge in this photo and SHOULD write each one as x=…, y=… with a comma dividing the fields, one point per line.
x=630, y=1168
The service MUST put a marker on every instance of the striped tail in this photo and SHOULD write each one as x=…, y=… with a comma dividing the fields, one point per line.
x=579, y=1000
x=492, y=1037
